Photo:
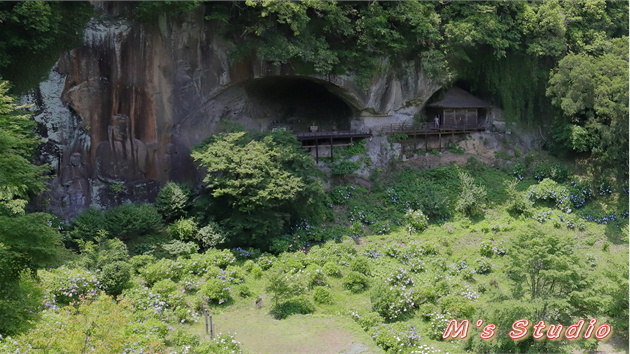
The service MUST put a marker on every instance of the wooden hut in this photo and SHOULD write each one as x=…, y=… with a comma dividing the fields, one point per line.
x=459, y=109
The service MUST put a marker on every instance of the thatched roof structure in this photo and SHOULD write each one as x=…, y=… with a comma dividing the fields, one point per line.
x=458, y=98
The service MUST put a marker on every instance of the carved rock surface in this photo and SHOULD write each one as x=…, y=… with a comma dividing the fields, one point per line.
x=174, y=85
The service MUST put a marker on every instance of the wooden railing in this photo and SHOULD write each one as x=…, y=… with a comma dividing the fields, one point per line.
x=430, y=127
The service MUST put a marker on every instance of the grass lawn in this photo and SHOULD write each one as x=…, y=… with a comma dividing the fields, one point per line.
x=259, y=332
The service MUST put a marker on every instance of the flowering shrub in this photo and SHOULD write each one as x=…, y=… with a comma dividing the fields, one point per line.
x=216, y=291
x=416, y=221
x=332, y=269
x=397, y=338
x=64, y=285
x=315, y=276
x=359, y=215
x=222, y=344
x=438, y=324
x=160, y=270
x=550, y=191
x=381, y=227
x=266, y=260
x=393, y=302
x=580, y=193
x=341, y=194
x=483, y=266
x=519, y=171
x=368, y=321
x=164, y=300
x=490, y=247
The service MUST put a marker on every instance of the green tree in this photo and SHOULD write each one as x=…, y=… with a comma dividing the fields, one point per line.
x=18, y=177
x=592, y=94
x=172, y=201
x=27, y=241
x=546, y=268
x=259, y=185
x=472, y=197
x=34, y=33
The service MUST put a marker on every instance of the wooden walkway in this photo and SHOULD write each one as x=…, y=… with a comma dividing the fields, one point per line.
x=424, y=130
x=330, y=139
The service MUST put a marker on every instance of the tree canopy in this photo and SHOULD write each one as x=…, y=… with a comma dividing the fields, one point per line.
x=27, y=241
x=258, y=185
x=591, y=91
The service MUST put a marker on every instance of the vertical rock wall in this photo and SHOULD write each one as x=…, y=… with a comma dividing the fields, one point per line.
x=121, y=113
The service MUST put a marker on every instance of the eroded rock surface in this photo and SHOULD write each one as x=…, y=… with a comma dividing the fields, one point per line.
x=123, y=111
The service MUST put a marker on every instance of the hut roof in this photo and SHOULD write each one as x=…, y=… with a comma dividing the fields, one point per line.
x=458, y=98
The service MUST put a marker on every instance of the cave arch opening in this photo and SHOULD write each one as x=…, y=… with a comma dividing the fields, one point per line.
x=297, y=103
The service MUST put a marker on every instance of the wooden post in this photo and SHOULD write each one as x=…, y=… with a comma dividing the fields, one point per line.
x=440, y=140
x=332, y=158
x=415, y=142
x=316, y=151
x=211, y=328
x=205, y=315
x=426, y=142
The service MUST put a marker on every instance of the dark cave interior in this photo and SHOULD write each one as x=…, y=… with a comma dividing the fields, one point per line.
x=296, y=103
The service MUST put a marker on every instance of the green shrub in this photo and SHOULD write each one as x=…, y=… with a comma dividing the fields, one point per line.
x=175, y=248
x=368, y=320
x=557, y=172
x=361, y=265
x=182, y=338
x=172, y=201
x=356, y=282
x=332, y=269
x=132, y=220
x=141, y=261
x=211, y=235
x=223, y=343
x=549, y=191
x=322, y=295
x=293, y=306
x=64, y=285
x=87, y=224
x=244, y=291
x=315, y=276
x=164, y=287
x=114, y=277
x=516, y=201
x=393, y=302
x=344, y=167
x=160, y=270
x=457, y=305
x=100, y=252
x=472, y=197
x=183, y=229
x=216, y=291
x=416, y=221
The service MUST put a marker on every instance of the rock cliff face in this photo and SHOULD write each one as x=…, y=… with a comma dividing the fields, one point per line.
x=122, y=112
